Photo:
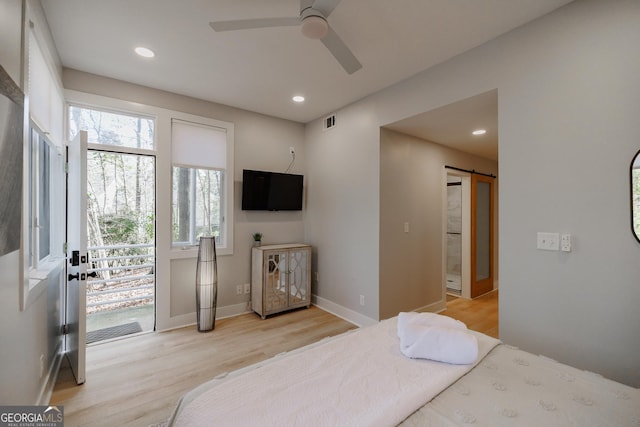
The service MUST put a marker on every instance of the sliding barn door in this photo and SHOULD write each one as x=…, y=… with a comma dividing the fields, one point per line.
x=481, y=235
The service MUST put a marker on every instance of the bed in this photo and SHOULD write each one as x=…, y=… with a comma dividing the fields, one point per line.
x=363, y=378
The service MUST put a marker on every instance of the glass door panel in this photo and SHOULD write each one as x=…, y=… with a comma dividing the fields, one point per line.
x=481, y=235
x=276, y=280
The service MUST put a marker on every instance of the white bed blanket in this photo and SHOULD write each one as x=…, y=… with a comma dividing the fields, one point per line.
x=358, y=378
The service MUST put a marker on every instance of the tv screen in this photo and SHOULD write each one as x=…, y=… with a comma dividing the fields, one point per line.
x=271, y=191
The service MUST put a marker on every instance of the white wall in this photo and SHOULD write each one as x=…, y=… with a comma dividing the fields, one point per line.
x=261, y=143
x=569, y=96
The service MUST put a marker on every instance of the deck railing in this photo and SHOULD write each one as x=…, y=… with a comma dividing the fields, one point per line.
x=125, y=276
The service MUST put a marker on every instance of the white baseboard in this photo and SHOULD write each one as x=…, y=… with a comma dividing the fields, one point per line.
x=183, y=320
x=232, y=310
x=349, y=315
x=342, y=312
x=435, y=307
x=46, y=391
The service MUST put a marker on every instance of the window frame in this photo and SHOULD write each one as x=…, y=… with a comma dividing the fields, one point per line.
x=225, y=244
x=38, y=270
x=54, y=173
x=109, y=110
x=162, y=151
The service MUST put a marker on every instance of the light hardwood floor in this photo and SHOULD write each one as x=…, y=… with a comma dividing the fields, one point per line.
x=480, y=314
x=137, y=381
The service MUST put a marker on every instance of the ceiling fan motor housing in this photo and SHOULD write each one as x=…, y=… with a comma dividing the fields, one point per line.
x=313, y=24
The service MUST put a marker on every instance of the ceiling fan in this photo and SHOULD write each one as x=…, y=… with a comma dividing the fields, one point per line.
x=313, y=24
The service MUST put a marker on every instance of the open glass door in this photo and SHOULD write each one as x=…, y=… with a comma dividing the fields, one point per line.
x=120, y=221
x=75, y=340
x=481, y=235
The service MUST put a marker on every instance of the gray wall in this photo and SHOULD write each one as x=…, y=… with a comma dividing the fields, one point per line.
x=569, y=97
x=412, y=186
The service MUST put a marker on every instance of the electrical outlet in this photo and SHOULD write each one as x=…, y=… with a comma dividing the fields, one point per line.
x=361, y=299
x=565, y=243
x=292, y=151
x=239, y=290
x=247, y=288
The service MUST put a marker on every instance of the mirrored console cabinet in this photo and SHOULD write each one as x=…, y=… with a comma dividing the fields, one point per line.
x=280, y=278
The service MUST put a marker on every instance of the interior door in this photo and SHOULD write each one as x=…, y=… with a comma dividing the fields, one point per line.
x=481, y=235
x=76, y=302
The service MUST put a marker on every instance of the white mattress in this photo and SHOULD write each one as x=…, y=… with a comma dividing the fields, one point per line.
x=361, y=378
x=511, y=387
x=358, y=378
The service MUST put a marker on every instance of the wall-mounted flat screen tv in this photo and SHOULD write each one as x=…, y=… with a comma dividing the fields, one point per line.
x=271, y=191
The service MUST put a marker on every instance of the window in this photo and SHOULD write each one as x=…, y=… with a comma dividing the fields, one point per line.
x=201, y=199
x=40, y=206
x=110, y=128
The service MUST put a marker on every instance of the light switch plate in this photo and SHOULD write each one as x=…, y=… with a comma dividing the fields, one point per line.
x=549, y=241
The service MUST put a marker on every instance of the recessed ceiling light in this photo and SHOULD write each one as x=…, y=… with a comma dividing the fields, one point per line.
x=479, y=132
x=298, y=98
x=144, y=52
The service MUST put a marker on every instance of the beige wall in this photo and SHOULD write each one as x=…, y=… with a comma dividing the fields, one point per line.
x=412, y=183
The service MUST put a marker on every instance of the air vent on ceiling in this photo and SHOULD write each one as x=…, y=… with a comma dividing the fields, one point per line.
x=329, y=122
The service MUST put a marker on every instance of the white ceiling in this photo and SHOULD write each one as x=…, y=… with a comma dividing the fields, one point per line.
x=453, y=124
x=261, y=69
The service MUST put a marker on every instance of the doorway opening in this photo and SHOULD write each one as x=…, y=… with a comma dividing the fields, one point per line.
x=468, y=233
x=119, y=203
x=457, y=234
x=121, y=244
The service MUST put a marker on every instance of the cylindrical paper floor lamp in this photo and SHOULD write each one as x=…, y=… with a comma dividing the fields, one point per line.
x=206, y=284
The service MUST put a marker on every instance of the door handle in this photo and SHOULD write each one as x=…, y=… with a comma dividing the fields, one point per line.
x=77, y=276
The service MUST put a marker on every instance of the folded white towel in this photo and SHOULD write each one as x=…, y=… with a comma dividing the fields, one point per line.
x=427, y=319
x=440, y=344
x=435, y=337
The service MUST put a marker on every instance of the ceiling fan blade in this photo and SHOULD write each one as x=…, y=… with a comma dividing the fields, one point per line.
x=325, y=6
x=341, y=52
x=245, y=24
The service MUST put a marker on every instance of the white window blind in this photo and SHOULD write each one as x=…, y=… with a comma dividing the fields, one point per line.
x=199, y=146
x=39, y=85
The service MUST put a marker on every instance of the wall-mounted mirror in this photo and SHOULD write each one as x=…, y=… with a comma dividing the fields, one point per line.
x=635, y=196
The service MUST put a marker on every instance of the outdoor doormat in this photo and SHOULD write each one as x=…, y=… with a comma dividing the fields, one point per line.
x=113, y=332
